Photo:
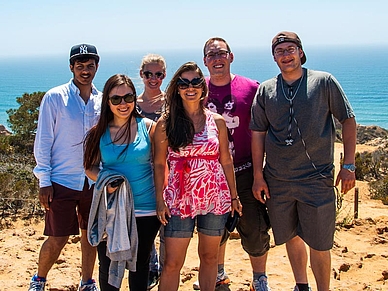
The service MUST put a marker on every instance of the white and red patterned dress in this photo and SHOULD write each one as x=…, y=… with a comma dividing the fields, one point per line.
x=197, y=184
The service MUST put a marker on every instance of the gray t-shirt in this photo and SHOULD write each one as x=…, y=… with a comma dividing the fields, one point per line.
x=318, y=99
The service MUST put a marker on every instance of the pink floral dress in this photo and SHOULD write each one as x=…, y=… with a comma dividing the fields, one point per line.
x=197, y=184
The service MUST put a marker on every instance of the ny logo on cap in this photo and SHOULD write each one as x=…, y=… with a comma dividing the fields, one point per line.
x=83, y=49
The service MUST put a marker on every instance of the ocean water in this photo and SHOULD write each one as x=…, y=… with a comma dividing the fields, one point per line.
x=362, y=72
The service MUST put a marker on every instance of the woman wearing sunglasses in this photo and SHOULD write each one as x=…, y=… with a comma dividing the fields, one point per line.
x=122, y=142
x=150, y=104
x=201, y=185
x=152, y=72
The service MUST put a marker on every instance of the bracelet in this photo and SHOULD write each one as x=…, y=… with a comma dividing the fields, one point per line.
x=237, y=198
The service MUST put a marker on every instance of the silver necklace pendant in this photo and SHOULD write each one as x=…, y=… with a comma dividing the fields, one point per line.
x=290, y=98
x=289, y=141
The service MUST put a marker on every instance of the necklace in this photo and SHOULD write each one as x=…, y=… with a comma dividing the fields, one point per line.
x=151, y=104
x=290, y=98
x=198, y=122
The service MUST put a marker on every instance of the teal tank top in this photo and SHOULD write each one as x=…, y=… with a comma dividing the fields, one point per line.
x=134, y=164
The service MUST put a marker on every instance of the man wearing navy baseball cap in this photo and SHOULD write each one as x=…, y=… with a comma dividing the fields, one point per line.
x=84, y=50
x=66, y=113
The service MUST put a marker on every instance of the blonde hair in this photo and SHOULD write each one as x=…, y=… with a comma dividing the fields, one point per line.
x=153, y=58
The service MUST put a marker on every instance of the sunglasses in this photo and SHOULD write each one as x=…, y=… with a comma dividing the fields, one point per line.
x=128, y=98
x=184, y=84
x=149, y=75
x=222, y=54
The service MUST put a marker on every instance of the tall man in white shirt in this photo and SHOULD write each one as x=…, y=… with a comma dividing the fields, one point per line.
x=66, y=113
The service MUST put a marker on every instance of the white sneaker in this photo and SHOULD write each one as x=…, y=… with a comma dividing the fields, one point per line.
x=36, y=285
x=260, y=284
x=90, y=286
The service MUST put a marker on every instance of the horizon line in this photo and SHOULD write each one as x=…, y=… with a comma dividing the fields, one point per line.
x=164, y=49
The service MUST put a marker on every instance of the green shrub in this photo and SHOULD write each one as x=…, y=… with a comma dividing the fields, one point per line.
x=373, y=167
x=367, y=166
x=5, y=146
x=18, y=186
x=24, y=120
x=379, y=189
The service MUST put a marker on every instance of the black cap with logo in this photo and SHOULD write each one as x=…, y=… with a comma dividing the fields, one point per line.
x=84, y=50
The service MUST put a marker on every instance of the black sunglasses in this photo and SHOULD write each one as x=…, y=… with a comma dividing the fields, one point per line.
x=158, y=75
x=128, y=98
x=183, y=83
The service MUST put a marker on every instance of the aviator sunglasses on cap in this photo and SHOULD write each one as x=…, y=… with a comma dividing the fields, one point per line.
x=128, y=98
x=183, y=83
x=149, y=75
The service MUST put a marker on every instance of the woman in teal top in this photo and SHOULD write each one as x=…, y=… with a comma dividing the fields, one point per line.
x=122, y=142
x=135, y=164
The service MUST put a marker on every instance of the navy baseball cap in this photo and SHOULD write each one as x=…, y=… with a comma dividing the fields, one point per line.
x=84, y=50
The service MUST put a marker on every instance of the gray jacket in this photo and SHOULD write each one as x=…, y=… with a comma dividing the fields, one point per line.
x=112, y=218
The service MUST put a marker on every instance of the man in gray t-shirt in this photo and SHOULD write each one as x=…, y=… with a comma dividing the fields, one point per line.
x=292, y=126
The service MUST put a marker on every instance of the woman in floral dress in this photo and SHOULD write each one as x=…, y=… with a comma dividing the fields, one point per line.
x=201, y=189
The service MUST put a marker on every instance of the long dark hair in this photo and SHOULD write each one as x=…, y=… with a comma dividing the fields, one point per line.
x=179, y=126
x=92, y=153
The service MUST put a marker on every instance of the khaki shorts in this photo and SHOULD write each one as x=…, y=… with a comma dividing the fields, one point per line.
x=69, y=210
x=304, y=208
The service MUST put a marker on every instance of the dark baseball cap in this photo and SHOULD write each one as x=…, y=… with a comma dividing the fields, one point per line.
x=287, y=36
x=84, y=50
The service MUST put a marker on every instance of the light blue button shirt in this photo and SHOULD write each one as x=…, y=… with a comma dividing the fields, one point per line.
x=64, y=119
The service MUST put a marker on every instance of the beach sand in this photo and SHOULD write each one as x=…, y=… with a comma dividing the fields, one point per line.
x=359, y=257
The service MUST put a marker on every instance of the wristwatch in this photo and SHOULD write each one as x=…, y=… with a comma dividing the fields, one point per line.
x=350, y=167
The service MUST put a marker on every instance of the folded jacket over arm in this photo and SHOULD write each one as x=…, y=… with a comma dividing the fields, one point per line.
x=112, y=218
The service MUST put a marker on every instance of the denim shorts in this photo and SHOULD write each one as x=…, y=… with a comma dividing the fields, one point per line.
x=208, y=224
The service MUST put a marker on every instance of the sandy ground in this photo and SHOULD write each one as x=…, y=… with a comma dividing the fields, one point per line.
x=359, y=258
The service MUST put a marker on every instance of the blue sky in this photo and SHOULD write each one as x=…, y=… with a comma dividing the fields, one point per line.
x=47, y=27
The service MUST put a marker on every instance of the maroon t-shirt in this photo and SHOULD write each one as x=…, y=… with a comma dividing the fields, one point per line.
x=233, y=101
